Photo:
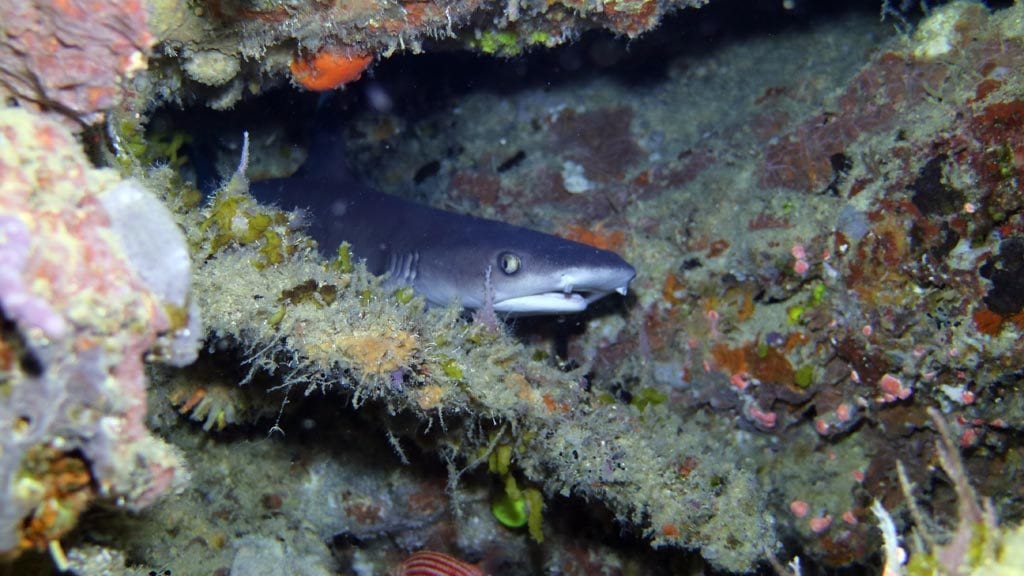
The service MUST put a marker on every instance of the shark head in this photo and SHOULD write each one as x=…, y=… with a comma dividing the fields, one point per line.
x=521, y=272
x=525, y=283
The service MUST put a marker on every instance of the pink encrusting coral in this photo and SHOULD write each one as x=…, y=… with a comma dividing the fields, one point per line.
x=94, y=274
x=69, y=56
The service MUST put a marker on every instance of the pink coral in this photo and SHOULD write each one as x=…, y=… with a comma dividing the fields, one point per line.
x=69, y=56
x=19, y=304
x=84, y=297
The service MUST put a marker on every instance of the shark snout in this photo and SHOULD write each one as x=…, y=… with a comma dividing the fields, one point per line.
x=597, y=281
x=568, y=291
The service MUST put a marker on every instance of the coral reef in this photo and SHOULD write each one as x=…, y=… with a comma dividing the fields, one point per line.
x=829, y=251
x=94, y=277
x=213, y=52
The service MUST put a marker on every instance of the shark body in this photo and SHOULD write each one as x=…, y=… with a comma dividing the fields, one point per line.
x=448, y=257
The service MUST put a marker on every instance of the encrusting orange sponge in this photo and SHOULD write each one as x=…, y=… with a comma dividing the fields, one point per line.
x=328, y=69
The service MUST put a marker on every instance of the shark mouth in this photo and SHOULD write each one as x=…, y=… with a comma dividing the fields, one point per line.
x=562, y=302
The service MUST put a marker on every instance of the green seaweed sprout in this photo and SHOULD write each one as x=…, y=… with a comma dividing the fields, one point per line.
x=795, y=313
x=365, y=296
x=405, y=295
x=804, y=376
x=515, y=507
x=499, y=43
x=648, y=396
x=235, y=218
x=451, y=368
x=277, y=317
x=161, y=145
x=509, y=43
x=138, y=155
x=342, y=263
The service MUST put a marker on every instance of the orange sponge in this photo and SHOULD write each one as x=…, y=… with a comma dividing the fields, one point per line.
x=328, y=69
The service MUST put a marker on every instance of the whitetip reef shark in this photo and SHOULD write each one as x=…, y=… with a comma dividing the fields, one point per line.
x=445, y=256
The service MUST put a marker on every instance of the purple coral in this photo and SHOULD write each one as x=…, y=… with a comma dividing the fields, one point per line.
x=86, y=298
x=17, y=302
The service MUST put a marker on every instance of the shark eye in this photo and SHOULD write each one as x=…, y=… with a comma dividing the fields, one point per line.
x=509, y=263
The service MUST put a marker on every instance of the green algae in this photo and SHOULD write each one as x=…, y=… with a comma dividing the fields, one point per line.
x=510, y=506
x=804, y=376
x=451, y=368
x=342, y=263
x=648, y=396
x=498, y=43
x=404, y=295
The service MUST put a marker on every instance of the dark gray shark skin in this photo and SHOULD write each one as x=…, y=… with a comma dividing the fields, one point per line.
x=448, y=257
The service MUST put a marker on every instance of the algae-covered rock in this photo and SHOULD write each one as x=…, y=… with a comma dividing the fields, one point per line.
x=211, y=67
